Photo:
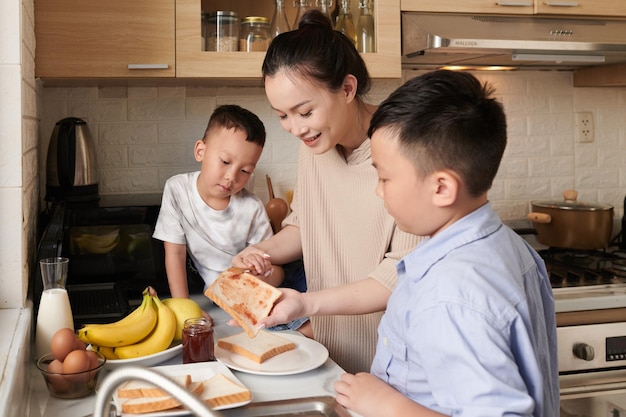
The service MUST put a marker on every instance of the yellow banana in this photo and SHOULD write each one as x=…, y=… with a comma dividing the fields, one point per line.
x=97, y=244
x=157, y=341
x=131, y=329
x=106, y=351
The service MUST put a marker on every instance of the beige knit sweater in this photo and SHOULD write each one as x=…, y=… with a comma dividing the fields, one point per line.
x=347, y=236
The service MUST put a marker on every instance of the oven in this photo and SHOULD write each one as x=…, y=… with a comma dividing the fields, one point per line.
x=112, y=254
x=590, y=300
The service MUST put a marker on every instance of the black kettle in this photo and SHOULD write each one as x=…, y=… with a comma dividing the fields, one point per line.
x=71, y=166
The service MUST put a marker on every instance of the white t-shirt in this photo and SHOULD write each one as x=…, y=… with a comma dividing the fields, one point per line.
x=213, y=237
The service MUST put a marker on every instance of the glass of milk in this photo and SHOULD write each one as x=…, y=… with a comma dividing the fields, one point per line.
x=54, y=308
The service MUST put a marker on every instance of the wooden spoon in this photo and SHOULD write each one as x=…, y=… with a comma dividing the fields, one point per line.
x=276, y=208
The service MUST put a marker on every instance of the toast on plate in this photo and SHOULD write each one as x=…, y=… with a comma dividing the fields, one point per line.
x=264, y=346
x=141, y=389
x=218, y=390
x=244, y=297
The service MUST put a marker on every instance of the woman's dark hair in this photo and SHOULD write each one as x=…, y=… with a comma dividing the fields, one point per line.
x=231, y=116
x=317, y=51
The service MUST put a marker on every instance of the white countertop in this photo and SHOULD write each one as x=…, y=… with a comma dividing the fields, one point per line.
x=317, y=382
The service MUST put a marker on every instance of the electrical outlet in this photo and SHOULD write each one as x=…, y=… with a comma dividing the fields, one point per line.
x=584, y=127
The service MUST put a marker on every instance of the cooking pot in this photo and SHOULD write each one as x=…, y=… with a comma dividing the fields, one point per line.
x=572, y=225
x=71, y=166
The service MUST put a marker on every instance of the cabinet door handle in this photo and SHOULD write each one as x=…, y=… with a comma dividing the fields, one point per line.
x=561, y=3
x=514, y=3
x=147, y=66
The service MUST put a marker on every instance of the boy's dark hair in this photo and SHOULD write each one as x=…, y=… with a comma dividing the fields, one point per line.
x=317, y=51
x=447, y=120
x=231, y=116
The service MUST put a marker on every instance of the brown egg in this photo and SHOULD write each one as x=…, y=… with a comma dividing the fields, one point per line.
x=93, y=361
x=58, y=383
x=76, y=361
x=80, y=344
x=62, y=343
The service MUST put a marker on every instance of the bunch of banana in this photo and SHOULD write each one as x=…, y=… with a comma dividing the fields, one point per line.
x=98, y=244
x=148, y=329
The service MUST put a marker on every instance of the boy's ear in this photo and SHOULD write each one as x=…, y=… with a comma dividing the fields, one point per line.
x=198, y=150
x=446, y=188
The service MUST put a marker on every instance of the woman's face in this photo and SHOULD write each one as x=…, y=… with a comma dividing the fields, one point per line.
x=308, y=110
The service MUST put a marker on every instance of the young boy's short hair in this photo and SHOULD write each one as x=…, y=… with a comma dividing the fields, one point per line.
x=453, y=123
x=231, y=116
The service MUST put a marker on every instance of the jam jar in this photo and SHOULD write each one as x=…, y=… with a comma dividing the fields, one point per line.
x=198, y=344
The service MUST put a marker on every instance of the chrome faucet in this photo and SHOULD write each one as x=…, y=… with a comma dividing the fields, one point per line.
x=128, y=373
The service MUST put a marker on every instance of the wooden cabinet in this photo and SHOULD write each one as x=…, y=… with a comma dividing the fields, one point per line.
x=193, y=62
x=547, y=7
x=79, y=39
x=111, y=38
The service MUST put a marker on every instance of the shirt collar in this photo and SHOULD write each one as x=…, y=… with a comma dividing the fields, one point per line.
x=479, y=224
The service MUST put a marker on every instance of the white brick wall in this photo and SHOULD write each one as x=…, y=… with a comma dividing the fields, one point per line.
x=146, y=134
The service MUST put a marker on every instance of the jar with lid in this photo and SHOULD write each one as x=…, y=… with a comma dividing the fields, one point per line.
x=198, y=341
x=222, y=32
x=255, y=34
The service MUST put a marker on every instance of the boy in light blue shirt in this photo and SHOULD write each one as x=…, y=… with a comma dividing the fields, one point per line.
x=470, y=329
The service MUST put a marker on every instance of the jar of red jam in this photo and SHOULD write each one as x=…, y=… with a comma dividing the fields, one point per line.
x=198, y=345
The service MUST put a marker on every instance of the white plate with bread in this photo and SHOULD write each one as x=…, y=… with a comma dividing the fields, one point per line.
x=212, y=381
x=271, y=353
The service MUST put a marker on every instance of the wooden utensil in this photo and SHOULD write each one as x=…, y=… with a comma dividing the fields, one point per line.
x=276, y=208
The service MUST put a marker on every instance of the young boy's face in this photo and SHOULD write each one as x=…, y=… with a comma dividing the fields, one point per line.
x=227, y=161
x=406, y=194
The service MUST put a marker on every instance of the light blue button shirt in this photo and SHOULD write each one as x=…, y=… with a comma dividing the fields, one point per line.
x=470, y=329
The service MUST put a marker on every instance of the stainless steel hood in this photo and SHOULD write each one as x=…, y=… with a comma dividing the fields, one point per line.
x=433, y=40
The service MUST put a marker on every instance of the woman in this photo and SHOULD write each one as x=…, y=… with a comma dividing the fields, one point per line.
x=315, y=80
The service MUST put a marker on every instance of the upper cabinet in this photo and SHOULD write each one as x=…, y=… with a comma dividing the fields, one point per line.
x=163, y=38
x=558, y=7
x=193, y=61
x=111, y=38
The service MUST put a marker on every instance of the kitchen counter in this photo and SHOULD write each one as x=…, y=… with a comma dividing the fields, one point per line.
x=317, y=382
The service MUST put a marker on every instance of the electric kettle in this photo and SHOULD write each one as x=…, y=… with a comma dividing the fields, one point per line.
x=71, y=166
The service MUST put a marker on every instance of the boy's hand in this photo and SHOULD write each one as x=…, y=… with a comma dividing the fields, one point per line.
x=364, y=393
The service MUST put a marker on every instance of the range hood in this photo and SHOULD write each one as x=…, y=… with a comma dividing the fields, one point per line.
x=431, y=40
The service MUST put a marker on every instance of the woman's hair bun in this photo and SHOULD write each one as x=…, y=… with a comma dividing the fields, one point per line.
x=315, y=18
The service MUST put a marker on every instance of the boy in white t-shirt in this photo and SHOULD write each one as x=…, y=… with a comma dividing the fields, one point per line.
x=208, y=214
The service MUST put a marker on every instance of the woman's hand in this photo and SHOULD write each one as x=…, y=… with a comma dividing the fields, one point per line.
x=254, y=259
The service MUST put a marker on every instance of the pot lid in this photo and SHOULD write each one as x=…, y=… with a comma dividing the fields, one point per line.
x=569, y=202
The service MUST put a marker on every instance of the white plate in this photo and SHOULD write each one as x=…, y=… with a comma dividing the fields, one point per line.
x=307, y=355
x=148, y=360
x=198, y=372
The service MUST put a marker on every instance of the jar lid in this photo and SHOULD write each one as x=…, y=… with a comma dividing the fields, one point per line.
x=256, y=19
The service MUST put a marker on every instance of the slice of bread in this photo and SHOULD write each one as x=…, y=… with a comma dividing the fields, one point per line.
x=245, y=297
x=141, y=389
x=264, y=346
x=219, y=390
x=144, y=405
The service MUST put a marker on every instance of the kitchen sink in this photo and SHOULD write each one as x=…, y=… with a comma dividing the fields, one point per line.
x=297, y=407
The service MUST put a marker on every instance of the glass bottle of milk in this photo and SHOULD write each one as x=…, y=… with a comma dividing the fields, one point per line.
x=55, y=311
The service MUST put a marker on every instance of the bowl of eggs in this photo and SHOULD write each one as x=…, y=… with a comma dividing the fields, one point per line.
x=70, y=370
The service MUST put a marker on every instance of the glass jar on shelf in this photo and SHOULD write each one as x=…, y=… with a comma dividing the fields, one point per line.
x=255, y=34
x=324, y=7
x=366, y=40
x=279, y=23
x=345, y=23
x=302, y=6
x=222, y=34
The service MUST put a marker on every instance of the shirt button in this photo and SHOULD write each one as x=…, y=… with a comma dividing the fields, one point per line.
x=385, y=341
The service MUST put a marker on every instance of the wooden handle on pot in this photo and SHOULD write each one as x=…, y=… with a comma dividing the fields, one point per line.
x=539, y=217
x=570, y=195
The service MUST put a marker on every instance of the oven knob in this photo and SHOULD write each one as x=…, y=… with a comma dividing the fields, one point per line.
x=583, y=351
